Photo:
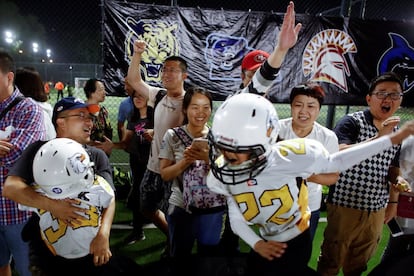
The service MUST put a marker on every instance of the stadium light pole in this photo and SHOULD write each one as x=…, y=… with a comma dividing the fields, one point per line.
x=47, y=61
x=71, y=74
x=35, y=49
x=9, y=37
x=12, y=43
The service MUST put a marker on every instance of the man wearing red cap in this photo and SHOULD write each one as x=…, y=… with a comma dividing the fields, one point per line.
x=258, y=81
x=250, y=63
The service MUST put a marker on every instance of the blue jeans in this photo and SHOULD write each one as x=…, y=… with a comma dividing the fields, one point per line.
x=12, y=245
x=185, y=228
x=314, y=219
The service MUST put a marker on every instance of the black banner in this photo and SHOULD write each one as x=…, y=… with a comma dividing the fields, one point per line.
x=342, y=54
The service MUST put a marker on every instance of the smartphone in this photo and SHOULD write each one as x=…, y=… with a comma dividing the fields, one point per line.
x=395, y=228
x=200, y=143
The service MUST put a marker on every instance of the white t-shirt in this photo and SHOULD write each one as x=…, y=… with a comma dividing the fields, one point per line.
x=47, y=119
x=322, y=134
x=168, y=114
x=173, y=149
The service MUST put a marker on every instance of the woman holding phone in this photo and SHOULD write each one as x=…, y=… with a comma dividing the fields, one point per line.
x=177, y=155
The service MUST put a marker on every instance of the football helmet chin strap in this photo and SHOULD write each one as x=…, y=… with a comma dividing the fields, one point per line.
x=235, y=174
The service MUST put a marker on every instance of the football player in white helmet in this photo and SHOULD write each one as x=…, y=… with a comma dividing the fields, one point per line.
x=234, y=138
x=62, y=168
x=264, y=180
x=259, y=70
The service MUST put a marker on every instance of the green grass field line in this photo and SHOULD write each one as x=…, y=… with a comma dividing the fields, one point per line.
x=371, y=264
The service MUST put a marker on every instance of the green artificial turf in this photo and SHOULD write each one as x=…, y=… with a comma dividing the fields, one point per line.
x=375, y=260
x=148, y=251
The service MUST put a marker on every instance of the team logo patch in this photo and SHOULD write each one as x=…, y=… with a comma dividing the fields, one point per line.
x=399, y=58
x=223, y=53
x=161, y=39
x=251, y=182
x=57, y=190
x=324, y=57
x=76, y=162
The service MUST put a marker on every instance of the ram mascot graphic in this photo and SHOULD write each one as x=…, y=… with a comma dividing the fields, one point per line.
x=160, y=37
x=224, y=53
x=324, y=57
x=76, y=162
x=399, y=58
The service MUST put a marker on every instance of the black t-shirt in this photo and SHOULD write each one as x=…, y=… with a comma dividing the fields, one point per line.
x=139, y=146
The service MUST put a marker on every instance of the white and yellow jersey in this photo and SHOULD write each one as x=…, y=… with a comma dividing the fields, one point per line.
x=407, y=172
x=74, y=242
x=276, y=199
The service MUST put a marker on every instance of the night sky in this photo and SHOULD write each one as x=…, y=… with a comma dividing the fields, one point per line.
x=66, y=23
x=73, y=27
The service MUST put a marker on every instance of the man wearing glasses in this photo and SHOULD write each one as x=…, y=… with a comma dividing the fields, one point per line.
x=72, y=119
x=167, y=114
x=362, y=199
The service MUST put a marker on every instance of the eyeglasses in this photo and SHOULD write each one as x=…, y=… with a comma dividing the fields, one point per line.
x=81, y=116
x=170, y=70
x=383, y=95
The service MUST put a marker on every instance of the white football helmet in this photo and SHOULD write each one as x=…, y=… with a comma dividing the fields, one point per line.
x=62, y=168
x=244, y=123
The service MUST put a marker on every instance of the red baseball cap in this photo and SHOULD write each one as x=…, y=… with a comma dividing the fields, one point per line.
x=254, y=60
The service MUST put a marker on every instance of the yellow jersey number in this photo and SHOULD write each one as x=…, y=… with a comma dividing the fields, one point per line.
x=91, y=220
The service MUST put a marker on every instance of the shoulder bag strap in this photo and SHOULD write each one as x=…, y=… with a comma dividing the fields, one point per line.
x=10, y=106
x=158, y=97
x=184, y=137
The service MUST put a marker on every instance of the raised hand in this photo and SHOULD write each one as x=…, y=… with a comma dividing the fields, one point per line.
x=139, y=46
x=288, y=35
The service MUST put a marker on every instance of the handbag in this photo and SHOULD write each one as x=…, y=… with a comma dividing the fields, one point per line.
x=122, y=182
x=197, y=197
x=405, y=206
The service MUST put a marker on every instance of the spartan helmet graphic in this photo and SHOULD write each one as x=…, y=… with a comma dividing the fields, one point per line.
x=324, y=57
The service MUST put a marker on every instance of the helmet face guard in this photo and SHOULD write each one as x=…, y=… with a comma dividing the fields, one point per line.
x=235, y=174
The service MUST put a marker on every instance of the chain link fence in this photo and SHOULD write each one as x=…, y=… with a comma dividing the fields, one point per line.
x=74, y=28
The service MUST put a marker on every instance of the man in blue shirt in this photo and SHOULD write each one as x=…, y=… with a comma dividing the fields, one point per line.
x=125, y=109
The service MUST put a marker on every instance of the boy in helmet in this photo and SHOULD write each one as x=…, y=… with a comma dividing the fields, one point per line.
x=72, y=119
x=62, y=169
x=168, y=113
x=264, y=180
